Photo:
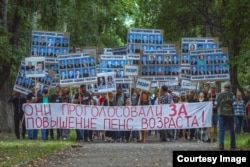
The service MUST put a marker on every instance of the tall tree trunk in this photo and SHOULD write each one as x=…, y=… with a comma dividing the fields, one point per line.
x=234, y=69
x=4, y=13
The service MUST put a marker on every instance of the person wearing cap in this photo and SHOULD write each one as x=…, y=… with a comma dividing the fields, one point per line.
x=225, y=111
x=83, y=97
x=17, y=100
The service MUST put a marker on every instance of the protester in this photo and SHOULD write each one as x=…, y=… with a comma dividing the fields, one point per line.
x=56, y=98
x=225, y=110
x=165, y=98
x=32, y=97
x=44, y=99
x=144, y=101
x=119, y=100
x=192, y=99
x=108, y=101
x=239, y=112
x=65, y=99
x=128, y=132
x=212, y=98
x=201, y=133
x=83, y=97
x=17, y=100
x=184, y=132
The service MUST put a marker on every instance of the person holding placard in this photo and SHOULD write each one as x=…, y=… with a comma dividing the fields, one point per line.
x=83, y=97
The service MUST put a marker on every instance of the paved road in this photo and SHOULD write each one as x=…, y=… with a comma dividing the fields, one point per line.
x=100, y=154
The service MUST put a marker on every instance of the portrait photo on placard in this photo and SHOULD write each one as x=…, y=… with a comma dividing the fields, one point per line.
x=193, y=60
x=192, y=47
x=35, y=40
x=50, y=41
x=130, y=38
x=138, y=38
x=85, y=72
x=144, y=70
x=175, y=70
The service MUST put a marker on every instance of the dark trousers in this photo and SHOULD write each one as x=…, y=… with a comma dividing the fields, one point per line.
x=18, y=118
x=59, y=133
x=50, y=132
x=79, y=134
x=88, y=134
x=127, y=135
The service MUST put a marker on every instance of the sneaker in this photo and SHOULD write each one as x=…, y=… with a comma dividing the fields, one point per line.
x=214, y=140
x=168, y=139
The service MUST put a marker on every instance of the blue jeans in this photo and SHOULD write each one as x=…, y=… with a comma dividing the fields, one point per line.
x=44, y=134
x=239, y=123
x=79, y=134
x=223, y=122
x=32, y=133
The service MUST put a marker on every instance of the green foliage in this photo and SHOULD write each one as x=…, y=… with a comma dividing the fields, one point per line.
x=20, y=152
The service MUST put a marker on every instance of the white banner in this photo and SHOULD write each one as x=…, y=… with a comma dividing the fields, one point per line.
x=76, y=116
x=185, y=84
x=143, y=84
x=131, y=70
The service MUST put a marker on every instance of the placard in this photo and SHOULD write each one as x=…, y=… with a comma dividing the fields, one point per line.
x=130, y=70
x=185, y=84
x=79, y=68
x=35, y=67
x=106, y=82
x=49, y=44
x=143, y=84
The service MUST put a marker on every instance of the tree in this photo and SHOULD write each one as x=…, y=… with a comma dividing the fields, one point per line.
x=227, y=20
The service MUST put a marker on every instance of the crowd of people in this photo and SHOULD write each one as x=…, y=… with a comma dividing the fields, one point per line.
x=229, y=111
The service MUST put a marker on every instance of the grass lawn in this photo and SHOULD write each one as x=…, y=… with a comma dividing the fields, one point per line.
x=20, y=152
x=14, y=152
